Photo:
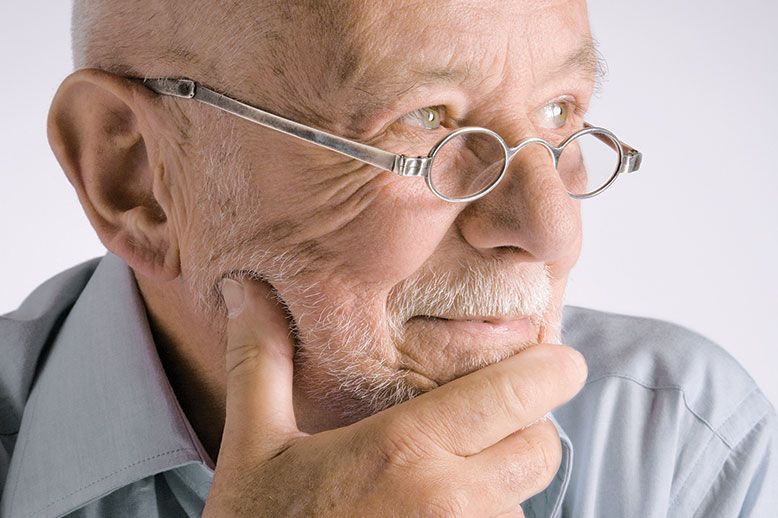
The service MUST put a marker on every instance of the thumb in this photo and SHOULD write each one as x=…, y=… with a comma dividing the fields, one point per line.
x=260, y=414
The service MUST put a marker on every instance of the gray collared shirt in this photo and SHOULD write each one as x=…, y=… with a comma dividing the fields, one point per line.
x=668, y=424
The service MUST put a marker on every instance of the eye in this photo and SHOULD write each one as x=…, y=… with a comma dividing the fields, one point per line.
x=429, y=117
x=554, y=115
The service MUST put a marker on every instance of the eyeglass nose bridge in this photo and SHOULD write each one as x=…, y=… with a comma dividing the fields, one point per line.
x=553, y=151
x=510, y=152
x=629, y=159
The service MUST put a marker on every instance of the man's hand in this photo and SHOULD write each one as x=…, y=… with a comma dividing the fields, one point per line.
x=476, y=446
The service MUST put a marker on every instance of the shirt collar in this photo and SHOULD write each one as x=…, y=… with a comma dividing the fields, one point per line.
x=102, y=413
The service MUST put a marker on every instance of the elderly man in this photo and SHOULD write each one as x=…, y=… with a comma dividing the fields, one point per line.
x=338, y=239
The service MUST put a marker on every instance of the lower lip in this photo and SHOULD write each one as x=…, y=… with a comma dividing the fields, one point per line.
x=521, y=326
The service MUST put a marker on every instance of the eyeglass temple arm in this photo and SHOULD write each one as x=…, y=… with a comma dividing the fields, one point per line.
x=188, y=89
x=632, y=157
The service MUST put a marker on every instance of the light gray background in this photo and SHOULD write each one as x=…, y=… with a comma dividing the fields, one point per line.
x=691, y=238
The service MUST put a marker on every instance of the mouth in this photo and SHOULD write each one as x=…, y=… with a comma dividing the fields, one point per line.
x=481, y=325
x=443, y=348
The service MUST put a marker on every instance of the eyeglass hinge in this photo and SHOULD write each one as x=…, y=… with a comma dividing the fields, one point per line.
x=633, y=160
x=411, y=166
x=176, y=87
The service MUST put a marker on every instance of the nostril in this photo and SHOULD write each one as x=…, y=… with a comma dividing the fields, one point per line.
x=509, y=248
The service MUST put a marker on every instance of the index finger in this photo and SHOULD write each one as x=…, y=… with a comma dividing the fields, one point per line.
x=471, y=413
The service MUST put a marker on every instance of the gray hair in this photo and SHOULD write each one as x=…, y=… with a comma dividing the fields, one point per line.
x=153, y=37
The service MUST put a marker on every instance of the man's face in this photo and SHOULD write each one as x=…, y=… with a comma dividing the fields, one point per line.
x=391, y=290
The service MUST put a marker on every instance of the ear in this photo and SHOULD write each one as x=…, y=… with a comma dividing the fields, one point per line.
x=99, y=129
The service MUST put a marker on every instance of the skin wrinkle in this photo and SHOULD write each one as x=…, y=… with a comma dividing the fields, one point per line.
x=184, y=221
x=346, y=59
x=343, y=209
x=352, y=179
x=312, y=106
x=376, y=75
x=342, y=196
x=353, y=252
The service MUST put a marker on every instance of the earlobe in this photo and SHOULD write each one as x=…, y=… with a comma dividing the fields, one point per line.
x=99, y=133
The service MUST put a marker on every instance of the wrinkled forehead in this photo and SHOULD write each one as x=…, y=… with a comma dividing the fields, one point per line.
x=368, y=53
x=410, y=37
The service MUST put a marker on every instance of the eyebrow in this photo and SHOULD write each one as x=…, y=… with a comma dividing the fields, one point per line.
x=586, y=60
x=382, y=92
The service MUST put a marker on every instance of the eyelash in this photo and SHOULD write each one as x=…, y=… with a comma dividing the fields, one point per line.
x=443, y=115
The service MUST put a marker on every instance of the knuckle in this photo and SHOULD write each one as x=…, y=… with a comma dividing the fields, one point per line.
x=543, y=454
x=402, y=444
x=547, y=457
x=518, y=399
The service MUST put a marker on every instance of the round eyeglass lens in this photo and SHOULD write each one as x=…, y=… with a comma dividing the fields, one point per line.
x=466, y=163
x=588, y=162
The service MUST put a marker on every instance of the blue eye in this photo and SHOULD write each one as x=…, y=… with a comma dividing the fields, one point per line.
x=429, y=117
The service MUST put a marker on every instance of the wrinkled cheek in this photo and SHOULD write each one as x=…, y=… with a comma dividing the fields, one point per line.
x=380, y=234
x=392, y=239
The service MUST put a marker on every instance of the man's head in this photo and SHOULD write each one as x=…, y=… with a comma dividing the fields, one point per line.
x=363, y=259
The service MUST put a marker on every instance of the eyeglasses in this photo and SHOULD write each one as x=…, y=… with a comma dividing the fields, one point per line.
x=463, y=166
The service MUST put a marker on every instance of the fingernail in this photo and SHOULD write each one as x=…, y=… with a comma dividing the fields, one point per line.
x=232, y=292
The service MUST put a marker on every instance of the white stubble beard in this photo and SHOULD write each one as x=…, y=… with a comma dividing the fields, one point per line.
x=363, y=378
x=346, y=358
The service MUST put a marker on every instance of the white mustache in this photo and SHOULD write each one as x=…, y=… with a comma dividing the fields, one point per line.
x=486, y=289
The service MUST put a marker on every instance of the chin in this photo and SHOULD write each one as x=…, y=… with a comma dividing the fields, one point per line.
x=352, y=366
x=348, y=367
x=355, y=358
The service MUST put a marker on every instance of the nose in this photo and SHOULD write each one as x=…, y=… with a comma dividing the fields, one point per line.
x=529, y=210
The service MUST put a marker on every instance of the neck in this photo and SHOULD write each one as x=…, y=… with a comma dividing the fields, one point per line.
x=191, y=351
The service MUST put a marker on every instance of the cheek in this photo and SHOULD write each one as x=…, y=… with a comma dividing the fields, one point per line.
x=563, y=266
x=312, y=194
x=357, y=226
x=384, y=244
x=395, y=235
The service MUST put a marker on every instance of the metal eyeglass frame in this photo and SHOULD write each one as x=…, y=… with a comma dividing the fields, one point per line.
x=629, y=158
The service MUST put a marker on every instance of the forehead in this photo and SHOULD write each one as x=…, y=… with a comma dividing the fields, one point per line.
x=471, y=42
x=454, y=32
x=366, y=52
